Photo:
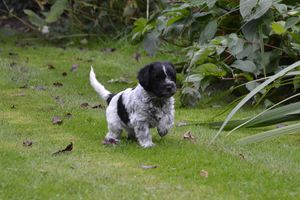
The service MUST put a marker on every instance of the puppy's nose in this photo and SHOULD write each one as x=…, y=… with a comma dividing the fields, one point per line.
x=171, y=87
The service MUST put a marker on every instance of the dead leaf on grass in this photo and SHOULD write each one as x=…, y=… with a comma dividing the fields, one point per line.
x=188, y=136
x=68, y=115
x=137, y=56
x=204, y=173
x=40, y=88
x=109, y=50
x=24, y=86
x=58, y=84
x=50, y=66
x=100, y=106
x=67, y=149
x=84, y=105
x=27, y=143
x=242, y=156
x=74, y=67
x=57, y=120
x=59, y=100
x=149, y=166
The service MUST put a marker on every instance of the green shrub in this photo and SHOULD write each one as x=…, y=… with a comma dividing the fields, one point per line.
x=228, y=40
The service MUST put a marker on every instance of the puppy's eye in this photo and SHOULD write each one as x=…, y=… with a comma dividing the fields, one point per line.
x=159, y=77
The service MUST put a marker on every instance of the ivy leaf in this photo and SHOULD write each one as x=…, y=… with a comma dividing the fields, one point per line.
x=56, y=10
x=246, y=7
x=245, y=65
x=235, y=44
x=34, y=18
x=253, y=9
x=278, y=27
x=210, y=69
x=209, y=32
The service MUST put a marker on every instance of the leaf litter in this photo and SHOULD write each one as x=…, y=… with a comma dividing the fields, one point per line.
x=68, y=148
x=57, y=120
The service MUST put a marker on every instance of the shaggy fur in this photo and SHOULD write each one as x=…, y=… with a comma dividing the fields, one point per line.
x=150, y=104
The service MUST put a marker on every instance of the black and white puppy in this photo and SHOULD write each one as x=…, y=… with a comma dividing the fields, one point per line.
x=150, y=104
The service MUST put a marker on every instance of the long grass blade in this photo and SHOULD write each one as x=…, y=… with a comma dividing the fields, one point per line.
x=256, y=116
x=252, y=93
x=270, y=134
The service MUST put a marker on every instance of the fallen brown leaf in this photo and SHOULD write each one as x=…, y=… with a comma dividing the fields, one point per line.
x=68, y=115
x=24, y=86
x=27, y=143
x=50, y=66
x=204, y=173
x=149, y=166
x=40, y=88
x=242, y=156
x=109, y=50
x=98, y=106
x=64, y=74
x=74, y=67
x=57, y=120
x=188, y=136
x=137, y=56
x=59, y=100
x=67, y=149
x=58, y=84
x=84, y=105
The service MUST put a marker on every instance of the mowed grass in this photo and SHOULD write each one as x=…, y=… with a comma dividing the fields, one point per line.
x=267, y=170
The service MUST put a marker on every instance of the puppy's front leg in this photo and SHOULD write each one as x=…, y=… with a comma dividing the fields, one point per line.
x=165, y=124
x=143, y=134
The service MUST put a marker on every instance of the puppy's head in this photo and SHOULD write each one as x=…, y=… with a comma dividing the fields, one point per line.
x=158, y=78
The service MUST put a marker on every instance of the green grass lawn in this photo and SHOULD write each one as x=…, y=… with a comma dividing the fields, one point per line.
x=267, y=170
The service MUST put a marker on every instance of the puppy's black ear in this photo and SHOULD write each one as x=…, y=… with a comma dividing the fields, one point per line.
x=144, y=76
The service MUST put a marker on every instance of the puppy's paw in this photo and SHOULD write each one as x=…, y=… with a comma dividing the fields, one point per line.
x=110, y=141
x=147, y=144
x=162, y=132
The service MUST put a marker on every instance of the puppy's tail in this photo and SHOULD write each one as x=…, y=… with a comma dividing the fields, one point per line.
x=99, y=88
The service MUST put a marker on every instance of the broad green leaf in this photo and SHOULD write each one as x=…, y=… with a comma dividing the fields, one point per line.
x=291, y=22
x=200, y=56
x=278, y=27
x=246, y=7
x=34, y=18
x=281, y=8
x=245, y=65
x=190, y=96
x=235, y=44
x=254, y=92
x=150, y=43
x=295, y=128
x=198, y=3
x=174, y=19
x=210, y=69
x=56, y=10
x=209, y=32
x=260, y=9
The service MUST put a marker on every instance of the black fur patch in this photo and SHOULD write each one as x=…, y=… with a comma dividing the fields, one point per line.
x=109, y=98
x=122, y=112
